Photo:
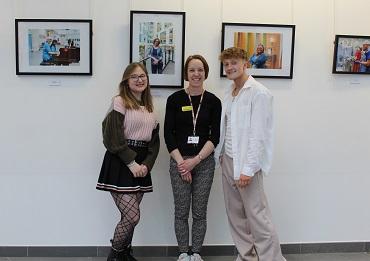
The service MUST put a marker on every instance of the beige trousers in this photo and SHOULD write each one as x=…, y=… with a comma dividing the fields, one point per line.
x=249, y=217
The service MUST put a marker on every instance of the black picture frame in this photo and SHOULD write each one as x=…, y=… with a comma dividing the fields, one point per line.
x=169, y=29
x=53, y=46
x=349, y=53
x=278, y=45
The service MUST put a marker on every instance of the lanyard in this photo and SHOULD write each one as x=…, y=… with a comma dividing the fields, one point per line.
x=195, y=117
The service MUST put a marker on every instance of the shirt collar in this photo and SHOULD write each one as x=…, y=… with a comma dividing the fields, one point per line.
x=247, y=84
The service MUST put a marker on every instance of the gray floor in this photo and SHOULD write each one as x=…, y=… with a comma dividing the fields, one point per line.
x=301, y=257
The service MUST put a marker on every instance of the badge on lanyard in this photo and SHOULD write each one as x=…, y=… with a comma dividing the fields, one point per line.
x=194, y=139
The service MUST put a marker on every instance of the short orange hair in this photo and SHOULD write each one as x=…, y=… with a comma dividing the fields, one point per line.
x=233, y=52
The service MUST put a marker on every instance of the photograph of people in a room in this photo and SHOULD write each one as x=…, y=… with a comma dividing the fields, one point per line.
x=352, y=54
x=51, y=47
x=264, y=50
x=156, y=47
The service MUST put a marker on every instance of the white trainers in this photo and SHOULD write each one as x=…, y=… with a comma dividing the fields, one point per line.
x=184, y=257
x=196, y=257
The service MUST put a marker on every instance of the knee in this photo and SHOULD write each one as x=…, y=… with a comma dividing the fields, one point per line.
x=181, y=213
x=199, y=214
x=132, y=220
x=135, y=220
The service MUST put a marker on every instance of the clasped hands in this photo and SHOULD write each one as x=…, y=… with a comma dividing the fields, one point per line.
x=186, y=166
x=138, y=170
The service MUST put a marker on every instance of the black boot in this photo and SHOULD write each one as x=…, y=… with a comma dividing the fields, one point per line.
x=115, y=255
x=129, y=254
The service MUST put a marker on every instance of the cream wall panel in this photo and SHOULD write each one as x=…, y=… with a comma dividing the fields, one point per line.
x=321, y=128
x=203, y=36
x=161, y=5
x=351, y=17
x=7, y=50
x=250, y=11
x=53, y=9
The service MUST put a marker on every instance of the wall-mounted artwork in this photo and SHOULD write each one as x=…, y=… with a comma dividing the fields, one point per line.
x=270, y=47
x=157, y=41
x=351, y=54
x=53, y=47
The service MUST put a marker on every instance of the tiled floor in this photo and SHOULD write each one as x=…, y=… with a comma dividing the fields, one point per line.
x=301, y=257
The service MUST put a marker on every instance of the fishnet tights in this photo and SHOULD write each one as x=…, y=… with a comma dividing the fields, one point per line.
x=128, y=205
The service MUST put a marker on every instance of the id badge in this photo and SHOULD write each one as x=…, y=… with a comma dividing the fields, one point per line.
x=193, y=139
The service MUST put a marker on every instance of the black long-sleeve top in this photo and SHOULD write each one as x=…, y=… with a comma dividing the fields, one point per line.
x=178, y=123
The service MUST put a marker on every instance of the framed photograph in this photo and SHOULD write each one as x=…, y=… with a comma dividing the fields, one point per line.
x=157, y=40
x=270, y=47
x=351, y=54
x=53, y=46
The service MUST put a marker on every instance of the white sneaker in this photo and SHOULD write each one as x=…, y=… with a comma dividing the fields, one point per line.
x=184, y=257
x=196, y=257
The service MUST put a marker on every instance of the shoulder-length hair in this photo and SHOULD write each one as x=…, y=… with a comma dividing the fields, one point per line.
x=130, y=102
x=200, y=58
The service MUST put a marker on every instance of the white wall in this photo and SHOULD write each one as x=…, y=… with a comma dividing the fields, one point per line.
x=50, y=140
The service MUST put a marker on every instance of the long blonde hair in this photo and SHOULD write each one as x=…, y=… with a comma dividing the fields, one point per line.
x=128, y=98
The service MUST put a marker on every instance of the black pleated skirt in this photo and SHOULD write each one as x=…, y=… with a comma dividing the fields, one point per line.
x=115, y=176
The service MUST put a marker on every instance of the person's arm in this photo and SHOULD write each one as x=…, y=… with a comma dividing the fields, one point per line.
x=149, y=54
x=260, y=127
x=170, y=124
x=251, y=60
x=189, y=164
x=261, y=60
x=160, y=54
x=169, y=130
x=113, y=137
x=153, y=149
x=170, y=137
x=366, y=63
x=115, y=142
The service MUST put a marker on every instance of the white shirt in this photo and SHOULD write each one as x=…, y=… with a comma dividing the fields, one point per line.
x=251, y=129
x=228, y=149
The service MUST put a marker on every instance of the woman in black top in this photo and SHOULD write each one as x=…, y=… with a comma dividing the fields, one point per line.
x=191, y=131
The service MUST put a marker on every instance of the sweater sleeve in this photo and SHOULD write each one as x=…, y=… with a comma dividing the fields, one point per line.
x=169, y=125
x=113, y=137
x=153, y=149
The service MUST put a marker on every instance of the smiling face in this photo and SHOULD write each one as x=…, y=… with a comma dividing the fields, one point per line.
x=234, y=68
x=196, y=73
x=260, y=49
x=138, y=81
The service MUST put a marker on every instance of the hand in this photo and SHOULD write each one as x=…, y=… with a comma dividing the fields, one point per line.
x=136, y=170
x=244, y=181
x=189, y=163
x=184, y=173
x=144, y=170
x=187, y=177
